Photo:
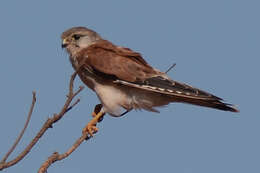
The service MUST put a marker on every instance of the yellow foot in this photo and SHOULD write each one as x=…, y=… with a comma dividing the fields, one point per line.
x=91, y=127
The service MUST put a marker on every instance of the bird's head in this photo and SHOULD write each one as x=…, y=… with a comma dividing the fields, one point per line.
x=77, y=38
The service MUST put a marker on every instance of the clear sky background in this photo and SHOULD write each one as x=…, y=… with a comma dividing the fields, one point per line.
x=215, y=45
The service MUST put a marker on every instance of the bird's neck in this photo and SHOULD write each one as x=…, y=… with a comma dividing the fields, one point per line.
x=73, y=50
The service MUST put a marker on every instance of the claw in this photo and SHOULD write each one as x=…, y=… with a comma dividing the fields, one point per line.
x=97, y=115
x=91, y=129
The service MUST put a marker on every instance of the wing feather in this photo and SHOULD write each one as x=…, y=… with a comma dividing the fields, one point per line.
x=126, y=67
x=121, y=62
x=180, y=92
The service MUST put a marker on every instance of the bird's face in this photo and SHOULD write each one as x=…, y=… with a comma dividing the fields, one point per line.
x=77, y=38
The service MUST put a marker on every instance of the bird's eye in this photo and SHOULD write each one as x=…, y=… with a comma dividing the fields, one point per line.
x=76, y=36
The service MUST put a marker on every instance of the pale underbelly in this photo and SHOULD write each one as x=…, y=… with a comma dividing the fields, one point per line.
x=113, y=99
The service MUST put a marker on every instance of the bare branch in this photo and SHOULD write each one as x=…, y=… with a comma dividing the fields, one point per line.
x=74, y=104
x=23, y=130
x=173, y=65
x=57, y=157
x=48, y=124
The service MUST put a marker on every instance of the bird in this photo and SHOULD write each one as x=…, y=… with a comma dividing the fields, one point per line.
x=124, y=81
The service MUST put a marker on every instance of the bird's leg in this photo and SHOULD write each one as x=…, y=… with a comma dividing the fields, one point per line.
x=98, y=115
x=97, y=109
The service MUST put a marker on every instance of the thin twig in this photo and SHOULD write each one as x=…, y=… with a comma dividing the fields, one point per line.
x=57, y=157
x=74, y=104
x=23, y=130
x=48, y=124
x=173, y=65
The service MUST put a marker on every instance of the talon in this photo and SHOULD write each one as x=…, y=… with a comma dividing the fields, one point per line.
x=91, y=129
x=97, y=115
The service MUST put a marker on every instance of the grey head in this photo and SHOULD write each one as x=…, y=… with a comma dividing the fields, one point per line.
x=77, y=38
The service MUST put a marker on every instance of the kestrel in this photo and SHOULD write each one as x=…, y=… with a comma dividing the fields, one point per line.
x=123, y=80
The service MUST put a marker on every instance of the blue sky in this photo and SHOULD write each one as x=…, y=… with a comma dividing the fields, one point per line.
x=215, y=45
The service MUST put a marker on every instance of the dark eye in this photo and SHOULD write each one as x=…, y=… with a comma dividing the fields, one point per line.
x=76, y=36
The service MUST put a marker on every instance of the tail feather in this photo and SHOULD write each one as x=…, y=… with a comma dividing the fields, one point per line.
x=180, y=92
x=216, y=104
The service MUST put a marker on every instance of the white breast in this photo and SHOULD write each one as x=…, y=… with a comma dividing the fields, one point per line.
x=112, y=98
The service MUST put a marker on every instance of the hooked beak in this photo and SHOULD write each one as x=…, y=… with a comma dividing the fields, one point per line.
x=64, y=43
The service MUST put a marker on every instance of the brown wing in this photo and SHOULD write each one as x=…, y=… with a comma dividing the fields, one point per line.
x=180, y=92
x=130, y=69
x=121, y=62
